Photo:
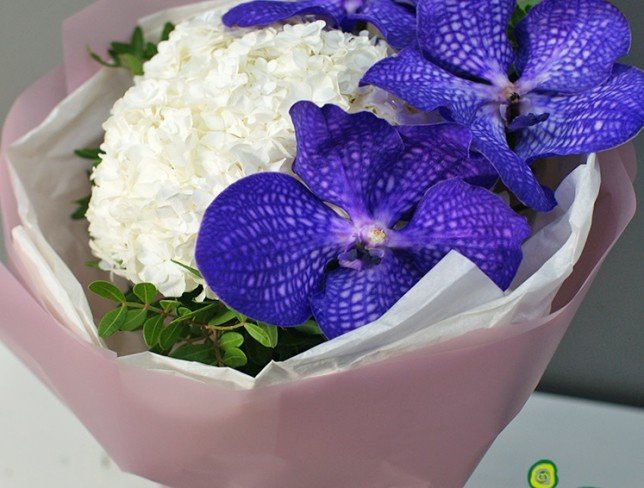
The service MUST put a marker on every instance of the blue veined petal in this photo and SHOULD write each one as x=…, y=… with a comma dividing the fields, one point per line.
x=426, y=86
x=263, y=245
x=596, y=120
x=396, y=22
x=353, y=298
x=454, y=215
x=467, y=38
x=570, y=46
x=490, y=140
x=432, y=153
x=340, y=155
x=264, y=12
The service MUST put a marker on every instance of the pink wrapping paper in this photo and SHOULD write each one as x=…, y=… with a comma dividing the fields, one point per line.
x=424, y=419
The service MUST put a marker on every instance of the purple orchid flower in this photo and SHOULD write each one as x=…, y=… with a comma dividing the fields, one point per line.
x=566, y=96
x=396, y=21
x=275, y=250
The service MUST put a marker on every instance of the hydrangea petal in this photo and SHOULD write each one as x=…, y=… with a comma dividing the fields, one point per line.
x=352, y=298
x=340, y=155
x=490, y=140
x=570, y=46
x=265, y=12
x=432, y=153
x=426, y=86
x=468, y=38
x=396, y=22
x=263, y=245
x=599, y=119
x=454, y=215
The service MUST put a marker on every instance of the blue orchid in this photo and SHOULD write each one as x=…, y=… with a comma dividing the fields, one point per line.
x=396, y=21
x=560, y=93
x=383, y=205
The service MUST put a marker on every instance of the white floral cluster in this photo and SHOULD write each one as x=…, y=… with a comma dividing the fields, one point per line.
x=211, y=108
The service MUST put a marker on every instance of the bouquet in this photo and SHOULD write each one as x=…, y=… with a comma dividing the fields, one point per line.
x=321, y=244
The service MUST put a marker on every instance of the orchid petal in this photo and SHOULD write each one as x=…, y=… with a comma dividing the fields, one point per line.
x=396, y=22
x=432, y=153
x=467, y=38
x=353, y=298
x=471, y=220
x=264, y=12
x=340, y=155
x=599, y=119
x=263, y=245
x=426, y=86
x=570, y=46
x=490, y=140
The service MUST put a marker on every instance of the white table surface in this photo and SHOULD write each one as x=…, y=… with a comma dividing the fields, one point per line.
x=593, y=444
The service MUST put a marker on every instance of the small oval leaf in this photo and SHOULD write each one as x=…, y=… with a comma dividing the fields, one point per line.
x=259, y=333
x=204, y=353
x=152, y=330
x=146, y=292
x=107, y=290
x=112, y=322
x=134, y=319
x=169, y=336
x=235, y=358
x=222, y=318
x=169, y=305
x=231, y=340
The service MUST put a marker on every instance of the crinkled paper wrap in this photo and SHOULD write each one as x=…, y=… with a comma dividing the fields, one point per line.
x=412, y=400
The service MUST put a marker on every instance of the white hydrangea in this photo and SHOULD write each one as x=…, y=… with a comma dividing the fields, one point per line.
x=211, y=108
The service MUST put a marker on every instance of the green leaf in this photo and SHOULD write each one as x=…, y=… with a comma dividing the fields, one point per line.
x=231, y=340
x=188, y=268
x=150, y=50
x=133, y=63
x=121, y=47
x=83, y=206
x=134, y=319
x=527, y=4
x=138, y=42
x=203, y=353
x=112, y=321
x=235, y=358
x=183, y=311
x=169, y=305
x=152, y=330
x=170, y=335
x=107, y=290
x=266, y=335
x=167, y=29
x=309, y=327
x=222, y=318
x=93, y=264
x=89, y=153
x=100, y=60
x=146, y=292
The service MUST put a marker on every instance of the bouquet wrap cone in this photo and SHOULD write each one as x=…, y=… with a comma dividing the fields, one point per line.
x=422, y=419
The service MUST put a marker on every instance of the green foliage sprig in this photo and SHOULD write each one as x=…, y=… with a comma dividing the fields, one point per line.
x=134, y=54
x=94, y=155
x=520, y=11
x=208, y=332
